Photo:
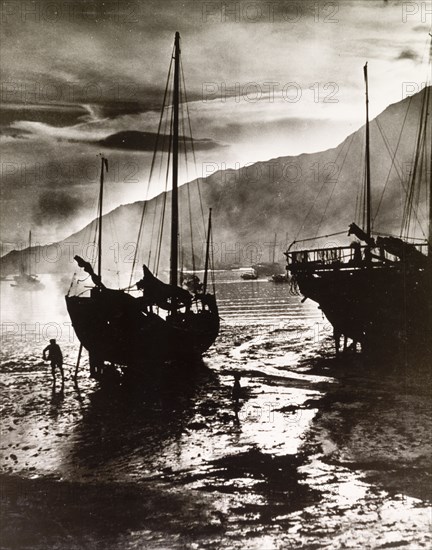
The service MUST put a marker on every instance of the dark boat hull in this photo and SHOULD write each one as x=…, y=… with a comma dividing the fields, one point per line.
x=249, y=277
x=113, y=328
x=386, y=309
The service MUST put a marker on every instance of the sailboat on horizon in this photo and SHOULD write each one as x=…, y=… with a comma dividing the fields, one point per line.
x=166, y=322
x=277, y=277
x=26, y=280
x=378, y=290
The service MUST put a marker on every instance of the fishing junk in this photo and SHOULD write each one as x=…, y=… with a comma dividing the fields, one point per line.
x=166, y=323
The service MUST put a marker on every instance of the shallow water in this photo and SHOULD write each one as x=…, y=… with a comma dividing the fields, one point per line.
x=320, y=454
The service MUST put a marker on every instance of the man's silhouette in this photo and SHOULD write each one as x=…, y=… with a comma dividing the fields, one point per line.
x=236, y=392
x=55, y=356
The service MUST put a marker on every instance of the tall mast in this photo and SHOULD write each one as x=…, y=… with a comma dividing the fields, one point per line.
x=174, y=205
x=429, y=113
x=207, y=257
x=274, y=248
x=368, y=176
x=104, y=164
x=29, y=255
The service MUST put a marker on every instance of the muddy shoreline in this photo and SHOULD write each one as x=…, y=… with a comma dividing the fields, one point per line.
x=319, y=454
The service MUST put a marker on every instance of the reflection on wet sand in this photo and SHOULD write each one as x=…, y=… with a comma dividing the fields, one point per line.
x=378, y=421
x=125, y=429
x=42, y=513
x=57, y=398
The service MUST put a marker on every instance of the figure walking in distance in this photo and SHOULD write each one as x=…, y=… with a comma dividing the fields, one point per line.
x=56, y=357
x=236, y=392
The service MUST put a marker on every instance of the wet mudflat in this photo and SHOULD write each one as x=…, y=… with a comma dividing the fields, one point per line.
x=319, y=453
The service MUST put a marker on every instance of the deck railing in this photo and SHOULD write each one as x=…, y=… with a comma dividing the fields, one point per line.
x=342, y=256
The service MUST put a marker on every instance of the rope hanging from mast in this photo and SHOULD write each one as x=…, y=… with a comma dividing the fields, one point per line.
x=164, y=201
x=151, y=174
x=368, y=172
x=188, y=199
x=186, y=102
x=166, y=138
x=172, y=141
x=415, y=178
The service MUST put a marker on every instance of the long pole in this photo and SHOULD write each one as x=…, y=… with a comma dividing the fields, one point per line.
x=174, y=204
x=78, y=362
x=368, y=175
x=430, y=174
x=428, y=112
x=100, y=218
x=29, y=255
x=207, y=258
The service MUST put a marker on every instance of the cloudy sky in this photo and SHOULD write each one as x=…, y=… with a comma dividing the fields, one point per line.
x=264, y=79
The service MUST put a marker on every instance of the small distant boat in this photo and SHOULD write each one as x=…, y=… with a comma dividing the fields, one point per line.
x=251, y=275
x=26, y=280
x=273, y=269
x=279, y=278
x=267, y=269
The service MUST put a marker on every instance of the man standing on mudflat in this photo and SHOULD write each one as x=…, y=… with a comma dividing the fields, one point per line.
x=56, y=357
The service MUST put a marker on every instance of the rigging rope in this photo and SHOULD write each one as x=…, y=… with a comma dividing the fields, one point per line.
x=87, y=237
x=334, y=185
x=198, y=180
x=151, y=171
x=165, y=135
x=420, y=143
x=393, y=156
x=316, y=197
x=316, y=238
x=162, y=219
x=210, y=236
x=188, y=197
x=360, y=192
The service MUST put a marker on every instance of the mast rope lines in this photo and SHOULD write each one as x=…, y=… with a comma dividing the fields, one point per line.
x=141, y=225
x=165, y=144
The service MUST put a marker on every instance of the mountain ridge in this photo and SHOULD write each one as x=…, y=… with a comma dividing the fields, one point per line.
x=295, y=195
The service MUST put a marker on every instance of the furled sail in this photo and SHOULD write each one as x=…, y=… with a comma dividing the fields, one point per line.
x=354, y=229
x=88, y=269
x=403, y=250
x=161, y=294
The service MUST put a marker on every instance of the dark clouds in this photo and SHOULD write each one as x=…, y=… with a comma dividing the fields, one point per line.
x=54, y=115
x=16, y=133
x=408, y=54
x=145, y=141
x=55, y=207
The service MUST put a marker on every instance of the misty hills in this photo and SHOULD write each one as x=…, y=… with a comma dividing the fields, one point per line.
x=294, y=197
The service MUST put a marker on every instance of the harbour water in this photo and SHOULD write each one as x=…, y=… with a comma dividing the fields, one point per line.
x=320, y=453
